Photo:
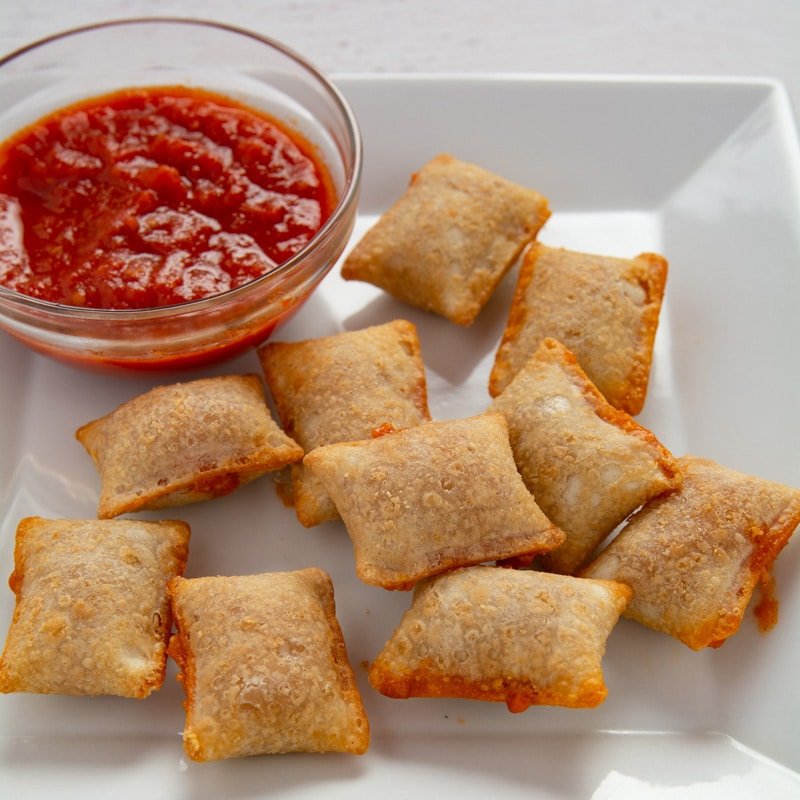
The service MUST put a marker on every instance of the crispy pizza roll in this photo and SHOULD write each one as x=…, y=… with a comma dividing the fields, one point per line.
x=426, y=499
x=185, y=443
x=264, y=666
x=92, y=615
x=340, y=389
x=603, y=309
x=447, y=242
x=588, y=464
x=693, y=558
x=517, y=636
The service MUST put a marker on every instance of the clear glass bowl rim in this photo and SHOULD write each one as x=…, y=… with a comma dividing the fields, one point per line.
x=296, y=262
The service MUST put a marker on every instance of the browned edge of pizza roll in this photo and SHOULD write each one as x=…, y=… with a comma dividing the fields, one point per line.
x=185, y=443
x=520, y=637
x=604, y=309
x=587, y=464
x=342, y=388
x=264, y=666
x=693, y=558
x=427, y=499
x=448, y=241
x=92, y=615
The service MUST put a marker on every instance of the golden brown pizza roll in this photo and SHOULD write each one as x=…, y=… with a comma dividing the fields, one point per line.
x=603, y=309
x=264, y=666
x=426, y=499
x=588, y=464
x=92, y=615
x=185, y=443
x=343, y=388
x=693, y=558
x=447, y=242
x=517, y=636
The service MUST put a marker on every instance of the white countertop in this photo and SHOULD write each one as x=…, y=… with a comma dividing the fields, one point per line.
x=758, y=38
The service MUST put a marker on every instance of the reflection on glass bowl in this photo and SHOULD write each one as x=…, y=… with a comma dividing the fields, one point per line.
x=262, y=74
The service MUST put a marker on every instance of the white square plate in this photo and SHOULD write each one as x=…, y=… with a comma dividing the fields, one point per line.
x=705, y=172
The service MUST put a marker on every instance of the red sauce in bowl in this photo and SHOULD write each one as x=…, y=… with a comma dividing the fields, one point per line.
x=153, y=197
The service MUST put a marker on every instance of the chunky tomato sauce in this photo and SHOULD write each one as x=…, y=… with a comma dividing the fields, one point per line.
x=150, y=197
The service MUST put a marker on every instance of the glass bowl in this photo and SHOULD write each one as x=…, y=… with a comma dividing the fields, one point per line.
x=257, y=71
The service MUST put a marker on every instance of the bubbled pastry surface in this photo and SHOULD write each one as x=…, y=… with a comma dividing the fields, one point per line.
x=443, y=494
x=184, y=443
x=92, y=615
x=489, y=633
x=264, y=666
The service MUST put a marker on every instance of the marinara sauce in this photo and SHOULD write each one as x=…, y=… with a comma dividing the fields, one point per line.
x=154, y=196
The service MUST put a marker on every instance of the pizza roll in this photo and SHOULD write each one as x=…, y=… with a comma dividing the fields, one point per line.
x=342, y=388
x=446, y=244
x=603, y=309
x=92, y=615
x=426, y=499
x=264, y=666
x=517, y=636
x=693, y=558
x=185, y=443
x=588, y=464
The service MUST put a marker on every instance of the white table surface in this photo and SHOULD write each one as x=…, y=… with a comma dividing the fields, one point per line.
x=682, y=37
